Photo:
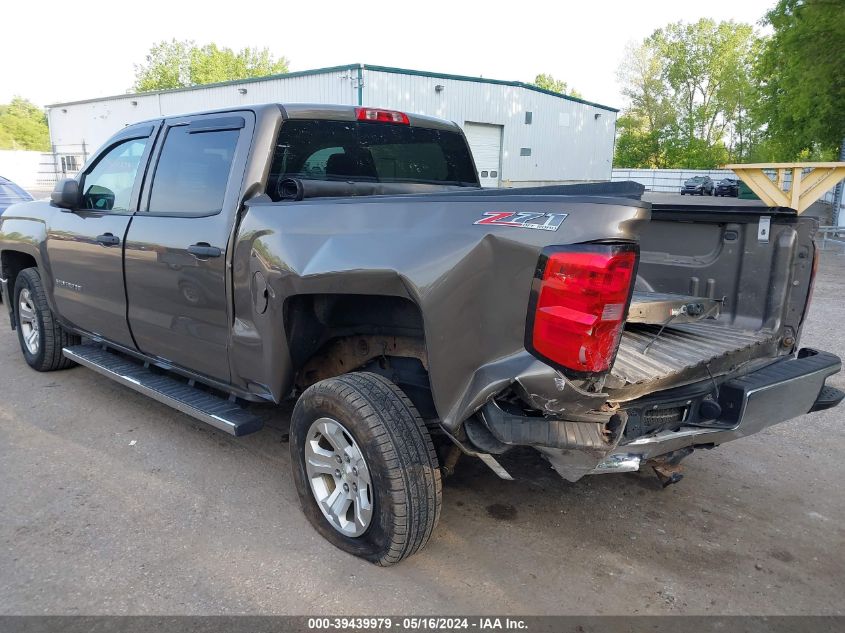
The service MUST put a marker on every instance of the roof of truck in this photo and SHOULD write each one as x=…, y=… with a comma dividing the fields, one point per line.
x=324, y=111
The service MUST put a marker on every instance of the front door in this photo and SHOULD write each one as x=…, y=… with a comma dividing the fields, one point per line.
x=175, y=255
x=85, y=245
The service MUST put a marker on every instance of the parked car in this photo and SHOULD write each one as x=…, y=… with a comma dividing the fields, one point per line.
x=349, y=258
x=10, y=193
x=698, y=185
x=728, y=187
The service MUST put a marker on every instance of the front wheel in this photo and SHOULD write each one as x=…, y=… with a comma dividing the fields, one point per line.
x=40, y=335
x=365, y=467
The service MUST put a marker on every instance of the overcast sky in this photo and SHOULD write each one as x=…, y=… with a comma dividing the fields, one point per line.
x=52, y=52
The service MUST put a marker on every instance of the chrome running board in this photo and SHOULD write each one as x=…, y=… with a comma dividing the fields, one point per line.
x=221, y=413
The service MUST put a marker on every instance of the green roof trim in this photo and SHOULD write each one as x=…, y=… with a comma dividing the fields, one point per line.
x=484, y=80
x=348, y=67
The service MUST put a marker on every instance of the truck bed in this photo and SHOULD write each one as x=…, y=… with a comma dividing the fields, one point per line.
x=682, y=354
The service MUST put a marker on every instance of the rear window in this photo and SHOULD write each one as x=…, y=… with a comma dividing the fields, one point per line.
x=370, y=152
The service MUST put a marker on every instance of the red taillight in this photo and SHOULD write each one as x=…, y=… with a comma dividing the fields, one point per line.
x=580, y=300
x=382, y=116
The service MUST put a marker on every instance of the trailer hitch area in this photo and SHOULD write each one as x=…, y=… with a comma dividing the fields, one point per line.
x=668, y=467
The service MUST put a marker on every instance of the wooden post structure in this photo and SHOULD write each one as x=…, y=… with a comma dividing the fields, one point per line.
x=805, y=188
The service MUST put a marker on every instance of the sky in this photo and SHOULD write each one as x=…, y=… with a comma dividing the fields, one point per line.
x=54, y=52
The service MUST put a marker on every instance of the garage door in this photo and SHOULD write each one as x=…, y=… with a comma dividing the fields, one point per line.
x=486, y=144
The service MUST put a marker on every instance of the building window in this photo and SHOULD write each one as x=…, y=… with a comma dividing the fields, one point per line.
x=525, y=151
x=528, y=117
x=69, y=164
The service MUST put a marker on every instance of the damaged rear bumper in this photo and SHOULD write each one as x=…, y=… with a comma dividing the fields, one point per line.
x=783, y=390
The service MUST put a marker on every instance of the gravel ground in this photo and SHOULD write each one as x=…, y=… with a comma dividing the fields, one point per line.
x=114, y=504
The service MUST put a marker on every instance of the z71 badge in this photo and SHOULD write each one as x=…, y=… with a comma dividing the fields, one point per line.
x=524, y=220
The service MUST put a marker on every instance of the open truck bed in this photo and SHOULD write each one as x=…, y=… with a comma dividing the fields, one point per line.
x=743, y=272
x=652, y=357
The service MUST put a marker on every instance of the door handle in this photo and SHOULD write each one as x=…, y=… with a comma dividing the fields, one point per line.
x=107, y=239
x=203, y=249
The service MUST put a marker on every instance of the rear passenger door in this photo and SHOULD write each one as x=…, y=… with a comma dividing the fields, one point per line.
x=177, y=285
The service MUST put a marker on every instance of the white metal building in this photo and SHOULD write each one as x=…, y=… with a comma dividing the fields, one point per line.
x=520, y=134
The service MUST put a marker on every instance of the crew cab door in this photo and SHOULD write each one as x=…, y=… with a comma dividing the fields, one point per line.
x=85, y=245
x=176, y=248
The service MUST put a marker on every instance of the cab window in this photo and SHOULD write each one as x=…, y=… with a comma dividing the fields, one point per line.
x=108, y=186
x=193, y=171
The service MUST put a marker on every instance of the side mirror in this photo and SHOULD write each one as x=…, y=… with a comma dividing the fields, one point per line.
x=66, y=194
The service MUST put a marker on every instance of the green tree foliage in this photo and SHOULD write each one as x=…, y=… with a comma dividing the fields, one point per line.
x=23, y=125
x=548, y=82
x=690, y=90
x=179, y=64
x=801, y=73
x=650, y=118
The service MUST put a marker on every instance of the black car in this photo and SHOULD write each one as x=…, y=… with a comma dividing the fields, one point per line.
x=10, y=194
x=728, y=187
x=698, y=185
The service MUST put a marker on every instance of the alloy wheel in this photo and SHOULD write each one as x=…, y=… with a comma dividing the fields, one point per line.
x=339, y=477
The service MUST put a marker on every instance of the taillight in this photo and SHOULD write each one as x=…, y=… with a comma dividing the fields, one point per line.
x=578, y=305
x=381, y=116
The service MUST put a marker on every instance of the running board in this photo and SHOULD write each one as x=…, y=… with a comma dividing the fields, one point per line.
x=219, y=412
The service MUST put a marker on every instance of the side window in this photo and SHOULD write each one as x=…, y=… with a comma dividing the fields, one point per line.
x=108, y=186
x=192, y=171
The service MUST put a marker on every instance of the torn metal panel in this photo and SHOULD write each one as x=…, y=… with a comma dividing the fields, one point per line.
x=593, y=432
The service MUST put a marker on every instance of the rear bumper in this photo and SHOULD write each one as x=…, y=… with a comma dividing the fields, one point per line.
x=778, y=392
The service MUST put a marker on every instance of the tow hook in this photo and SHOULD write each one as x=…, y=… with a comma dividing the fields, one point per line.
x=668, y=467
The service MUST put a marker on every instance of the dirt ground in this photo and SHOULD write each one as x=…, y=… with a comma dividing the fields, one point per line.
x=114, y=504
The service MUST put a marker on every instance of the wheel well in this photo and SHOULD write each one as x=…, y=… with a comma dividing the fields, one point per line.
x=12, y=263
x=333, y=334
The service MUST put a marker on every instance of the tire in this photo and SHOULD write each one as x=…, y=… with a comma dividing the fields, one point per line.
x=44, y=351
x=404, y=489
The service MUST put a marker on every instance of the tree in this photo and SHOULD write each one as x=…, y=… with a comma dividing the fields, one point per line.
x=690, y=90
x=801, y=80
x=23, y=125
x=180, y=64
x=548, y=82
x=648, y=120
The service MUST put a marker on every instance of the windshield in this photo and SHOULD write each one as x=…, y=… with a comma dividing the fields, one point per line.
x=696, y=179
x=370, y=152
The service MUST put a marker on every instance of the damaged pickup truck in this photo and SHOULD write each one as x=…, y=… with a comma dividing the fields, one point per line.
x=225, y=261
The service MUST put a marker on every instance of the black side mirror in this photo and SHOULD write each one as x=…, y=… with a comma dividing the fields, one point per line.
x=66, y=194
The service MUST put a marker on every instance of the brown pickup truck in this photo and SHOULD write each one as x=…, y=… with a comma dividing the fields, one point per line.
x=225, y=261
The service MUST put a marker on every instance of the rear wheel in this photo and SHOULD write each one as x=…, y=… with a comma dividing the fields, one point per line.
x=40, y=335
x=365, y=467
